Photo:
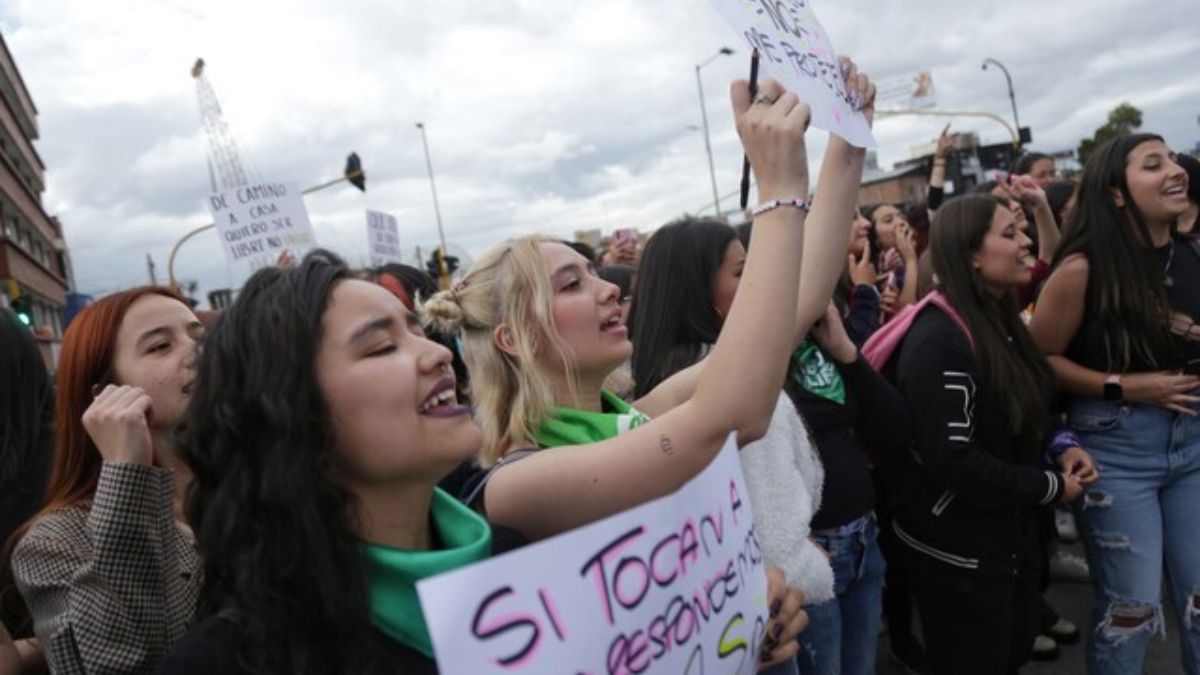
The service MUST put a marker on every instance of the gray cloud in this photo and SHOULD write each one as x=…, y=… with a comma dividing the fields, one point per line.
x=542, y=116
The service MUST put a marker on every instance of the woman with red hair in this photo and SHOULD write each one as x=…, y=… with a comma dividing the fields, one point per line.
x=109, y=575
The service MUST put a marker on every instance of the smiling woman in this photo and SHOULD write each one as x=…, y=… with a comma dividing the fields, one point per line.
x=109, y=576
x=321, y=422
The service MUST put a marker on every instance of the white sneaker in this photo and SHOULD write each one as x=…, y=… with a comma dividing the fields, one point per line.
x=1069, y=567
x=1064, y=522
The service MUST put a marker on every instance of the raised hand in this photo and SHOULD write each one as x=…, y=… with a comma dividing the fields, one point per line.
x=117, y=422
x=862, y=270
x=1026, y=190
x=860, y=88
x=944, y=142
x=772, y=128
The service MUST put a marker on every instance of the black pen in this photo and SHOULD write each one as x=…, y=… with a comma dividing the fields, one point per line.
x=745, y=159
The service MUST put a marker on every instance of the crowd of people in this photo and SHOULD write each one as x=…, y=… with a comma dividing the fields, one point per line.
x=914, y=389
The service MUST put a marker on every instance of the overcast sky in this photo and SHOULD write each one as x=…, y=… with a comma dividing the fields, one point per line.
x=543, y=115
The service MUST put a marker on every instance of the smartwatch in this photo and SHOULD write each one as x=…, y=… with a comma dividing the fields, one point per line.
x=1112, y=389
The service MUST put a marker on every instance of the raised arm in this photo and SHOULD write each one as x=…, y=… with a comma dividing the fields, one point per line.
x=832, y=211
x=560, y=488
x=1030, y=194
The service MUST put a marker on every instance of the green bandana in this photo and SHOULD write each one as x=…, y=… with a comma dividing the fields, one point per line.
x=393, y=573
x=817, y=374
x=571, y=426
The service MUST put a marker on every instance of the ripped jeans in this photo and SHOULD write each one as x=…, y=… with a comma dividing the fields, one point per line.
x=1143, y=514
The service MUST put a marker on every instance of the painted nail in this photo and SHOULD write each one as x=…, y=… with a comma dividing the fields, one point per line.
x=776, y=606
x=776, y=632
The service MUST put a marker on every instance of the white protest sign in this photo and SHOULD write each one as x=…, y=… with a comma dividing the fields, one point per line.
x=258, y=223
x=677, y=585
x=383, y=238
x=794, y=49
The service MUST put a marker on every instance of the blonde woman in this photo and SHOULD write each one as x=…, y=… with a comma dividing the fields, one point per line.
x=541, y=332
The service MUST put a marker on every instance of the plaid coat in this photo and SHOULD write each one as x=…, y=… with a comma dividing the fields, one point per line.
x=113, y=586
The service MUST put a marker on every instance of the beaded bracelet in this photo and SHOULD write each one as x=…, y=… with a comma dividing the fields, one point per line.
x=802, y=204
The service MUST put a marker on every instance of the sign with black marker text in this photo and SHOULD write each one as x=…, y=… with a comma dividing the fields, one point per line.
x=259, y=223
x=794, y=48
x=677, y=585
x=383, y=238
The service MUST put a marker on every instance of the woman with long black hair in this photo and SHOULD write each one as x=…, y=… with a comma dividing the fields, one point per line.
x=1117, y=322
x=979, y=393
x=812, y=497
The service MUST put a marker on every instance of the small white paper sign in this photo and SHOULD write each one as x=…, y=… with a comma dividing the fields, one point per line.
x=794, y=49
x=258, y=223
x=676, y=585
x=383, y=238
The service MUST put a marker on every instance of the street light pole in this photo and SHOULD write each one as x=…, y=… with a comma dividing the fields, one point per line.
x=444, y=273
x=1011, y=96
x=712, y=172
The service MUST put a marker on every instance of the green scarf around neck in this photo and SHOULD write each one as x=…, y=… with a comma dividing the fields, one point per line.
x=571, y=426
x=393, y=573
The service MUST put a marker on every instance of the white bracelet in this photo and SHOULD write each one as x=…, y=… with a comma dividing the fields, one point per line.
x=802, y=204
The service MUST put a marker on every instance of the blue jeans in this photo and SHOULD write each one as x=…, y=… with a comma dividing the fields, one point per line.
x=1141, y=515
x=843, y=633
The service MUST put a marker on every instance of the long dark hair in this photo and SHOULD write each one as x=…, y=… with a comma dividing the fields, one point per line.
x=672, y=315
x=25, y=401
x=26, y=408
x=1015, y=374
x=1126, y=297
x=274, y=528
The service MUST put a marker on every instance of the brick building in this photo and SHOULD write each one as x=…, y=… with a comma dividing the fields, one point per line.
x=34, y=263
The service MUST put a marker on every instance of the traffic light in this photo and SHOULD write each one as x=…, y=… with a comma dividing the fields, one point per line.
x=24, y=311
x=21, y=305
x=435, y=270
x=354, y=172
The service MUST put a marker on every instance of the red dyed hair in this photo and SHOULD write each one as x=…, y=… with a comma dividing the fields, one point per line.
x=86, y=360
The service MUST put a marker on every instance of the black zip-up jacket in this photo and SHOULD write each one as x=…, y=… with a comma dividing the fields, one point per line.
x=973, y=490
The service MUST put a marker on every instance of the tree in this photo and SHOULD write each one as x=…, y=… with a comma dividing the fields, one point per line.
x=1122, y=120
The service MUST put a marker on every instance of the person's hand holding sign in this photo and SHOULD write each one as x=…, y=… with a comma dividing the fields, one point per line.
x=787, y=620
x=772, y=127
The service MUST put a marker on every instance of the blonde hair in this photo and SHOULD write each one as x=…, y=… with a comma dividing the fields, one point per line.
x=509, y=286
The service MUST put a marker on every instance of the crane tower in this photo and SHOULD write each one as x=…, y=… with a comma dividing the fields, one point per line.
x=222, y=149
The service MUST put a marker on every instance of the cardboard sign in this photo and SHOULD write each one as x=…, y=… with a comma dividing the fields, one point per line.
x=794, y=49
x=677, y=585
x=259, y=223
x=383, y=238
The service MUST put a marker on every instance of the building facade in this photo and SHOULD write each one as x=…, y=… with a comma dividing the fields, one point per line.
x=34, y=262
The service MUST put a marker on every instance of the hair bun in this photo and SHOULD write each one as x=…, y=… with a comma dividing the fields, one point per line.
x=442, y=312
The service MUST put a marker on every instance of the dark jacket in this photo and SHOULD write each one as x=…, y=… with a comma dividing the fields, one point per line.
x=973, y=491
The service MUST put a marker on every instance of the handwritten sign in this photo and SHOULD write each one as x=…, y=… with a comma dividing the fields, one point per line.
x=794, y=49
x=383, y=238
x=676, y=585
x=258, y=223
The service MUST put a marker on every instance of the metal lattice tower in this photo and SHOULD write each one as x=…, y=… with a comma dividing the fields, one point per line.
x=222, y=149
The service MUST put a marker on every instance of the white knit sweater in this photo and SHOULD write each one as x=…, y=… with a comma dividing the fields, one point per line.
x=784, y=476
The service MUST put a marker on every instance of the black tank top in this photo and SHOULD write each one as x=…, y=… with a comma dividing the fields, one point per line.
x=1181, y=274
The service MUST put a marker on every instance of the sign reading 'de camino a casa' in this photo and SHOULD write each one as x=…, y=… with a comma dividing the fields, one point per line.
x=259, y=223
x=676, y=585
